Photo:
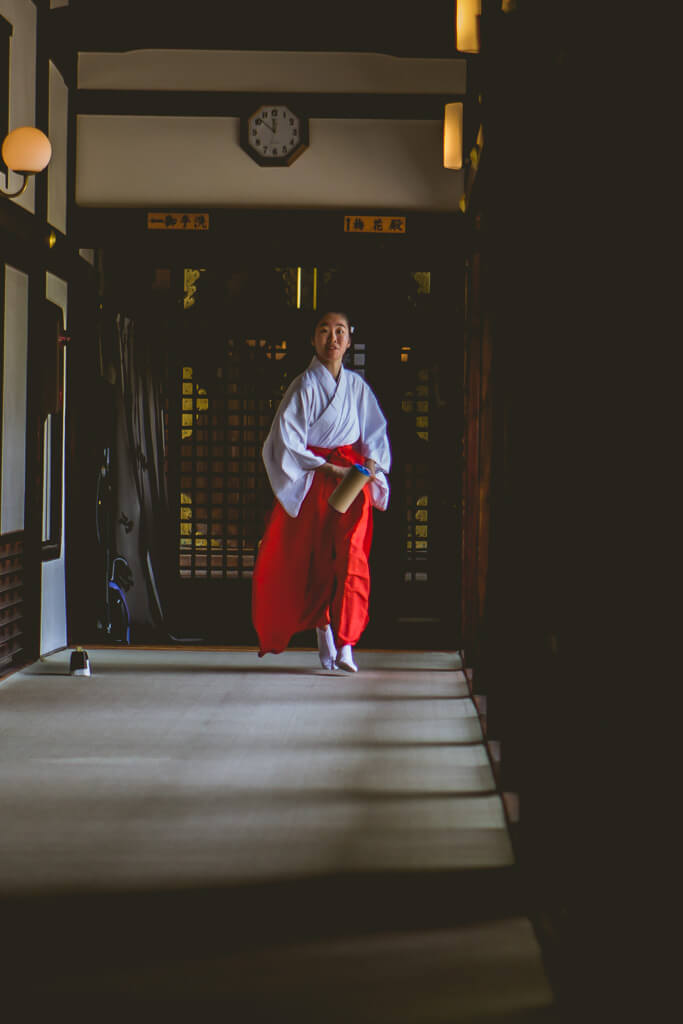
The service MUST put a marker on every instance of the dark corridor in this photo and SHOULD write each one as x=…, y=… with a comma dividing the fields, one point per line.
x=196, y=349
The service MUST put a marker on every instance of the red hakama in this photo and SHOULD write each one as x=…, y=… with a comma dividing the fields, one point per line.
x=313, y=569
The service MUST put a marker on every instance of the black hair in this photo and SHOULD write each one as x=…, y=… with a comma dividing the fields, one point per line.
x=317, y=317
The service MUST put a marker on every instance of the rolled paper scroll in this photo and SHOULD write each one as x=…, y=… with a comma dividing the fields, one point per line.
x=348, y=489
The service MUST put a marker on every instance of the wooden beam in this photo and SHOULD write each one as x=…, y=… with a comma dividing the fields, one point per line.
x=356, y=26
x=166, y=103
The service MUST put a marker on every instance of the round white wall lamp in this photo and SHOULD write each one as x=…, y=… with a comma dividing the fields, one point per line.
x=26, y=151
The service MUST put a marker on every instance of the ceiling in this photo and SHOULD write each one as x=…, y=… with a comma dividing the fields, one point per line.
x=408, y=28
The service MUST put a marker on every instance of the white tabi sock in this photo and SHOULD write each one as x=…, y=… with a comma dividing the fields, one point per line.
x=345, y=659
x=326, y=648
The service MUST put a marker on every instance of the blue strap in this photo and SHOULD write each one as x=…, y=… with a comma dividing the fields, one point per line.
x=117, y=588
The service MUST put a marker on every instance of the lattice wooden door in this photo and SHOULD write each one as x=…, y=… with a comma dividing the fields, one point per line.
x=232, y=369
x=224, y=494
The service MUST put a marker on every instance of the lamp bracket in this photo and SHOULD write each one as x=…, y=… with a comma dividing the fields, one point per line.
x=20, y=191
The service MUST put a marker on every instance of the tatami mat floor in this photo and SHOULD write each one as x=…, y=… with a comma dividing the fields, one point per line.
x=323, y=847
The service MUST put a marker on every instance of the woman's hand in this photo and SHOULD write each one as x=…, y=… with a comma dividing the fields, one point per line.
x=371, y=466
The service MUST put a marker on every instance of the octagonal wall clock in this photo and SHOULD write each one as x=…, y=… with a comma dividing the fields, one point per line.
x=274, y=135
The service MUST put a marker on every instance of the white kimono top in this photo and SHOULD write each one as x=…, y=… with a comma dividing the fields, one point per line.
x=318, y=410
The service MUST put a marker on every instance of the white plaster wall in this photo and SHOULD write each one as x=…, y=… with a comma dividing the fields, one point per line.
x=350, y=164
x=13, y=484
x=53, y=591
x=57, y=132
x=22, y=95
x=279, y=71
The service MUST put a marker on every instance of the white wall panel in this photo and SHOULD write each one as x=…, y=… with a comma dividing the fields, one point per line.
x=53, y=603
x=21, y=14
x=159, y=161
x=263, y=71
x=57, y=131
x=13, y=487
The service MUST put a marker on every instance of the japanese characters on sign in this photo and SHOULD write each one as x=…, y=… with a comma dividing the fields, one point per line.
x=375, y=225
x=178, y=221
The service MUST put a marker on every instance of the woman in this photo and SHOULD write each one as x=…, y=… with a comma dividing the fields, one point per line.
x=312, y=567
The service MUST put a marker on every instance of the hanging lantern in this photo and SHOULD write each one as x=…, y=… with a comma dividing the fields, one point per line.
x=452, y=136
x=467, y=14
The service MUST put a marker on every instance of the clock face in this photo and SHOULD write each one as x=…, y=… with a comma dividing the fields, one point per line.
x=274, y=135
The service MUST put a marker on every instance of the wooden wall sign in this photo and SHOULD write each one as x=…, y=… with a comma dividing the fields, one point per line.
x=178, y=221
x=375, y=225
